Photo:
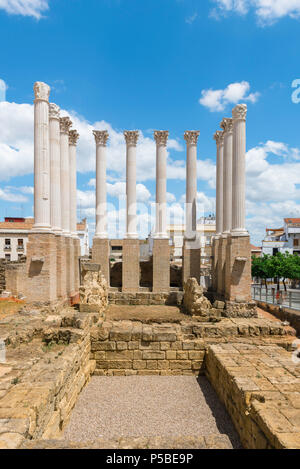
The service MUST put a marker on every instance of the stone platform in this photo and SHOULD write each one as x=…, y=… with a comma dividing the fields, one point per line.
x=173, y=297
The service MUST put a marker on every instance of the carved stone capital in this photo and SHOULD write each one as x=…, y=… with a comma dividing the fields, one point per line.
x=54, y=111
x=227, y=125
x=41, y=91
x=131, y=137
x=73, y=137
x=161, y=137
x=65, y=124
x=191, y=137
x=219, y=137
x=101, y=137
x=240, y=112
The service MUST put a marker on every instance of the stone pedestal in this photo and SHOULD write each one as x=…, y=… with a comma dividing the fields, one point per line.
x=191, y=261
x=161, y=265
x=221, y=267
x=77, y=254
x=131, y=266
x=67, y=265
x=41, y=268
x=61, y=273
x=100, y=255
x=238, y=269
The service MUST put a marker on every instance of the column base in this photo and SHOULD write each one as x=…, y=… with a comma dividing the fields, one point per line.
x=41, y=268
x=238, y=269
x=100, y=255
x=161, y=265
x=191, y=261
x=215, y=263
x=221, y=267
x=61, y=273
x=131, y=266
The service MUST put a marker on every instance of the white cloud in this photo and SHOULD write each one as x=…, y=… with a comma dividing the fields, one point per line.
x=267, y=11
x=33, y=8
x=218, y=100
x=190, y=19
x=8, y=196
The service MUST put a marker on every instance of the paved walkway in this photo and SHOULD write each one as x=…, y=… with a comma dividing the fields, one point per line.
x=148, y=406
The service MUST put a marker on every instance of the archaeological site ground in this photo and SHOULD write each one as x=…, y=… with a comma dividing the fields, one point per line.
x=86, y=362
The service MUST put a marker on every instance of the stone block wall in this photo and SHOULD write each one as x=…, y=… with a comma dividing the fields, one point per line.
x=259, y=386
x=146, y=298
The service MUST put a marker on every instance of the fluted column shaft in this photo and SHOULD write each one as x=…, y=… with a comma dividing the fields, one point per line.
x=239, y=114
x=55, y=198
x=161, y=138
x=65, y=125
x=41, y=158
x=131, y=138
x=101, y=137
x=73, y=138
x=227, y=176
x=191, y=138
x=219, y=137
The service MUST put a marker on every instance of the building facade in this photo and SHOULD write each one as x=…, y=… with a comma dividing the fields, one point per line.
x=206, y=229
x=286, y=239
x=14, y=234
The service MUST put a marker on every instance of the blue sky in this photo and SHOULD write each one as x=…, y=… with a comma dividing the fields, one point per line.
x=155, y=64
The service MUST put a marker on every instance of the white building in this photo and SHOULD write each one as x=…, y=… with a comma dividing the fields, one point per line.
x=14, y=237
x=206, y=229
x=286, y=239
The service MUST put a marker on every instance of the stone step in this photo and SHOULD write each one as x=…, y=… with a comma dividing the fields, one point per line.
x=213, y=441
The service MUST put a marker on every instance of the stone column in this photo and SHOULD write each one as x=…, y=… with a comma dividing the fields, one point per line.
x=191, y=138
x=217, y=273
x=55, y=200
x=238, y=260
x=73, y=139
x=239, y=114
x=65, y=124
x=219, y=138
x=40, y=282
x=41, y=158
x=101, y=137
x=101, y=248
x=75, y=242
x=191, y=254
x=131, y=245
x=131, y=138
x=227, y=126
x=161, y=138
x=161, y=247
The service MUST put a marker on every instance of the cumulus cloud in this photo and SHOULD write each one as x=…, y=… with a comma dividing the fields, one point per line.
x=8, y=196
x=267, y=11
x=33, y=8
x=218, y=100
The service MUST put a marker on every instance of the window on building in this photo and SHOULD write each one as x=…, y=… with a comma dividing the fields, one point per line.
x=116, y=248
x=20, y=256
x=20, y=243
x=7, y=243
x=7, y=257
x=296, y=242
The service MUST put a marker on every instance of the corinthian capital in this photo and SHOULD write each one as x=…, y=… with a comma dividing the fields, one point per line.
x=239, y=112
x=65, y=124
x=161, y=137
x=54, y=111
x=101, y=137
x=191, y=137
x=73, y=137
x=41, y=91
x=131, y=137
x=219, y=137
x=227, y=125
